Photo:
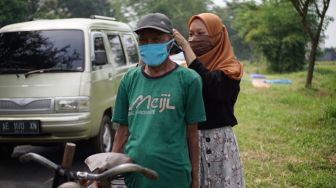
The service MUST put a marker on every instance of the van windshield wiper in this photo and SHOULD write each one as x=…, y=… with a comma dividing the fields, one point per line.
x=15, y=71
x=38, y=71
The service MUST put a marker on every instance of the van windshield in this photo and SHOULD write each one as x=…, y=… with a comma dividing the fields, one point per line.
x=22, y=52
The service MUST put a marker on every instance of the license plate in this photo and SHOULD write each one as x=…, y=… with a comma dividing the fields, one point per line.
x=26, y=127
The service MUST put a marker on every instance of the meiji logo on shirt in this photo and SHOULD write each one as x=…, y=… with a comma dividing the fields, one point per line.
x=163, y=103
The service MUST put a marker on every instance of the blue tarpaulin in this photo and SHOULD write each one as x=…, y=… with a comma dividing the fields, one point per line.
x=278, y=81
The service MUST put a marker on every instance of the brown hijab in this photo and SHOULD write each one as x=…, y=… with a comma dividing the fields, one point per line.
x=221, y=56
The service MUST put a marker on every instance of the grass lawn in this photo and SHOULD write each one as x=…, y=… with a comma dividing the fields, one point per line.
x=287, y=133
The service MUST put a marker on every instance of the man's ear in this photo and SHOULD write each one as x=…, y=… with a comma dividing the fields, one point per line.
x=140, y=63
x=171, y=37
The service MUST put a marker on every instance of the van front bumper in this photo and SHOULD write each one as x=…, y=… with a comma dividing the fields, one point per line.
x=58, y=127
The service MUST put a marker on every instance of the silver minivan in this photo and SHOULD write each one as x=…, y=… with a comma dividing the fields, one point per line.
x=59, y=79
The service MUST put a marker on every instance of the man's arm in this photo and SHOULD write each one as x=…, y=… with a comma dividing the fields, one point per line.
x=120, y=139
x=194, y=153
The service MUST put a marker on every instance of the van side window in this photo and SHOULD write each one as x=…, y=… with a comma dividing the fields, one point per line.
x=99, y=50
x=117, y=50
x=131, y=48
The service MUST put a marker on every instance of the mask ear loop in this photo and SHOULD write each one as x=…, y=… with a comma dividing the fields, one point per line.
x=169, y=45
x=177, y=47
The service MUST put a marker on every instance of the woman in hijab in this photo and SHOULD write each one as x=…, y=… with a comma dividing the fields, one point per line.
x=208, y=51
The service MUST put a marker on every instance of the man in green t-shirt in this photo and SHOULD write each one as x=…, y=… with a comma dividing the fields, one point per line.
x=158, y=107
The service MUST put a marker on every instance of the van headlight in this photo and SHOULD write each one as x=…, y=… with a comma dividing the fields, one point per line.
x=72, y=104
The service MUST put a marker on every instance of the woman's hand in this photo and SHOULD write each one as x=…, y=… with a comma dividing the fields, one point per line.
x=180, y=40
x=188, y=52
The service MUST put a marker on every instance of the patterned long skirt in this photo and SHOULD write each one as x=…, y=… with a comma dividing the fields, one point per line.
x=220, y=165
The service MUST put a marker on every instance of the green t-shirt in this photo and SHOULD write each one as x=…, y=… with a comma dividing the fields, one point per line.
x=157, y=111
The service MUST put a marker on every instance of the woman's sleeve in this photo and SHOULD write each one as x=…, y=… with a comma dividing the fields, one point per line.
x=217, y=86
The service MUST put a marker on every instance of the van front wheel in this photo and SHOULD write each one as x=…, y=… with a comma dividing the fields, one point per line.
x=104, y=140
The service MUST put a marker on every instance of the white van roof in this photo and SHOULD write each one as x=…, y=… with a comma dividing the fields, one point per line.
x=71, y=23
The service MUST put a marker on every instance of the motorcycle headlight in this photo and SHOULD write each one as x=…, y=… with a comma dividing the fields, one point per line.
x=72, y=104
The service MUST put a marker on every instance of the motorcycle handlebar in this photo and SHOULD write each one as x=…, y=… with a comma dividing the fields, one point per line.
x=117, y=170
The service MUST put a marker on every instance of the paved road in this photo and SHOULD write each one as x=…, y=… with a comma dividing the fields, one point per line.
x=14, y=174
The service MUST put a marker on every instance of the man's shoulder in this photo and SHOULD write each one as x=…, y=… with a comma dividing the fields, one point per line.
x=188, y=73
x=132, y=72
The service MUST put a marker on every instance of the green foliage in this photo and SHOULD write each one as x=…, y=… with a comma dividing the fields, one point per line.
x=270, y=31
x=47, y=9
x=72, y=8
x=117, y=10
x=85, y=8
x=178, y=11
x=242, y=49
x=276, y=32
x=124, y=10
x=12, y=11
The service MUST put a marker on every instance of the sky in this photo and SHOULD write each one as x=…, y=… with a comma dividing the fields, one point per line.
x=331, y=29
x=330, y=33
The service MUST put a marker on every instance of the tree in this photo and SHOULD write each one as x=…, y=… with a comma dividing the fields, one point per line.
x=116, y=7
x=53, y=9
x=13, y=11
x=178, y=11
x=272, y=28
x=311, y=12
x=242, y=49
x=46, y=9
x=85, y=8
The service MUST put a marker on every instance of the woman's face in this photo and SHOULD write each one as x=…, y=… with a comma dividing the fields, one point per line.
x=197, y=27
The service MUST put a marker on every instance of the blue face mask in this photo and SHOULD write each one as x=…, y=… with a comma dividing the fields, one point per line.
x=155, y=54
